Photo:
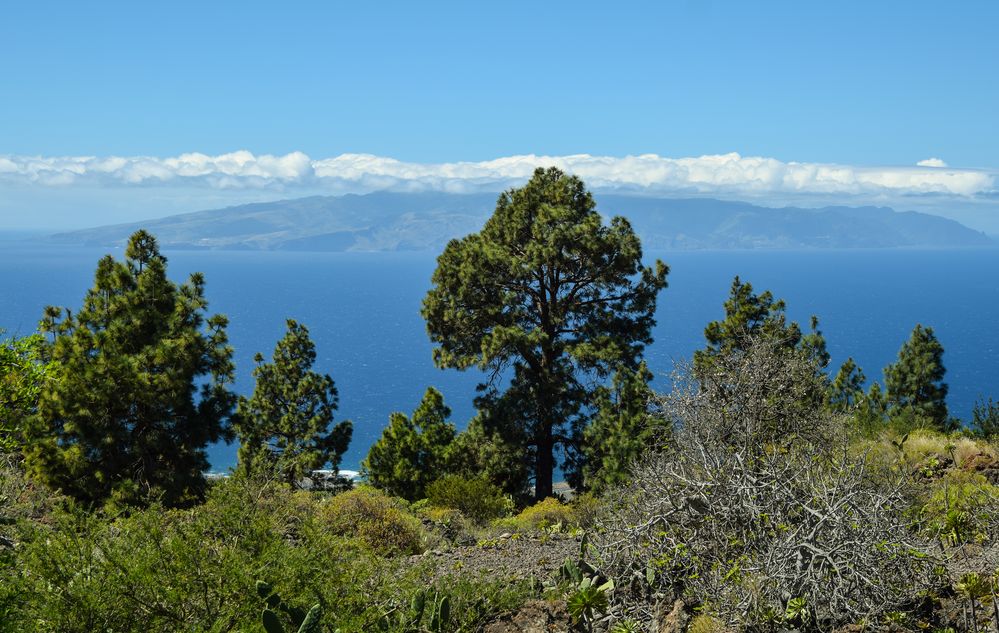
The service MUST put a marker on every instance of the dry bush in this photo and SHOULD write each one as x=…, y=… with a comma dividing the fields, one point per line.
x=969, y=451
x=755, y=509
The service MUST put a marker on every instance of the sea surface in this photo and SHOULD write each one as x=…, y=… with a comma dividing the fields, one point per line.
x=363, y=313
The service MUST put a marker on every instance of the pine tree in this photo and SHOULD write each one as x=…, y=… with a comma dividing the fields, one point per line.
x=284, y=427
x=915, y=391
x=550, y=293
x=752, y=317
x=847, y=388
x=621, y=431
x=985, y=419
x=412, y=452
x=139, y=386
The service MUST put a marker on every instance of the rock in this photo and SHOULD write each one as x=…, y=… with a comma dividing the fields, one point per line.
x=505, y=535
x=537, y=616
x=676, y=620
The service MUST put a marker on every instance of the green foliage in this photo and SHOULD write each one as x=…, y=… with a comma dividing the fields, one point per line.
x=847, y=389
x=985, y=419
x=545, y=514
x=588, y=594
x=549, y=292
x=626, y=626
x=797, y=613
x=475, y=498
x=428, y=611
x=915, y=391
x=377, y=520
x=23, y=371
x=412, y=452
x=750, y=318
x=284, y=427
x=304, y=622
x=960, y=508
x=161, y=570
x=493, y=447
x=621, y=430
x=139, y=386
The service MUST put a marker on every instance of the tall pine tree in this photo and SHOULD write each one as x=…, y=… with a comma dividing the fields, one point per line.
x=915, y=391
x=847, y=389
x=549, y=292
x=139, y=386
x=284, y=427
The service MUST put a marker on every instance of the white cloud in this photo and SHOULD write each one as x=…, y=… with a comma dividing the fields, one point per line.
x=726, y=174
x=932, y=162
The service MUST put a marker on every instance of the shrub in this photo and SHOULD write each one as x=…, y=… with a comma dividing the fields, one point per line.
x=585, y=509
x=961, y=507
x=545, y=514
x=159, y=570
x=475, y=498
x=746, y=505
x=379, y=521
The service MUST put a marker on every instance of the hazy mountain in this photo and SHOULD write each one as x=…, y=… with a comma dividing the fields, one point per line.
x=426, y=221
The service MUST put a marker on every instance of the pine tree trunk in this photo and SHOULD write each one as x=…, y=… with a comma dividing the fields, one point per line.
x=544, y=467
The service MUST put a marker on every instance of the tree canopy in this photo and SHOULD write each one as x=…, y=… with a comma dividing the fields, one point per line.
x=550, y=296
x=22, y=373
x=620, y=432
x=412, y=452
x=750, y=318
x=139, y=385
x=914, y=383
x=284, y=427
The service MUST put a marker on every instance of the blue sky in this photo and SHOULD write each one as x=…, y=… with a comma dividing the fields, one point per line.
x=853, y=82
x=848, y=83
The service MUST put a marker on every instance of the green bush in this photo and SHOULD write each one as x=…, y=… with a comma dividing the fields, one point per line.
x=475, y=498
x=545, y=514
x=585, y=509
x=170, y=570
x=961, y=507
x=377, y=520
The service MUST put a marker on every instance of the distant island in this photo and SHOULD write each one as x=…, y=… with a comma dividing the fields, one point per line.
x=386, y=221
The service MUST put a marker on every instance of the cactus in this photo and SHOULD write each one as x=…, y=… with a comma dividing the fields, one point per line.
x=440, y=613
x=427, y=613
x=417, y=607
x=306, y=622
x=311, y=622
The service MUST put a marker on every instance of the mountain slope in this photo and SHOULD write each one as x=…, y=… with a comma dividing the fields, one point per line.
x=387, y=221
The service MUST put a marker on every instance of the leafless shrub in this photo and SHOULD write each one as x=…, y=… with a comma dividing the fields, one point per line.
x=754, y=508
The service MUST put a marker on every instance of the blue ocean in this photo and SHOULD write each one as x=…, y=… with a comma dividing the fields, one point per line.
x=363, y=312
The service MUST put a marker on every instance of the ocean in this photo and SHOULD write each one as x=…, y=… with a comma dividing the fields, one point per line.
x=362, y=310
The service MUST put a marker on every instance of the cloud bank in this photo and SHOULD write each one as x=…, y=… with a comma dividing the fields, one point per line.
x=726, y=174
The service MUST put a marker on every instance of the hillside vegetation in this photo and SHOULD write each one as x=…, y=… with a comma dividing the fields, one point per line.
x=762, y=490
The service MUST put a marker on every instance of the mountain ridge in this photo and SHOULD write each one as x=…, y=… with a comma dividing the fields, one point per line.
x=391, y=221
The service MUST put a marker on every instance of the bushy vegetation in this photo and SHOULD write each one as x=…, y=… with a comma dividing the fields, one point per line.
x=197, y=569
x=758, y=492
x=741, y=516
x=378, y=520
x=476, y=498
